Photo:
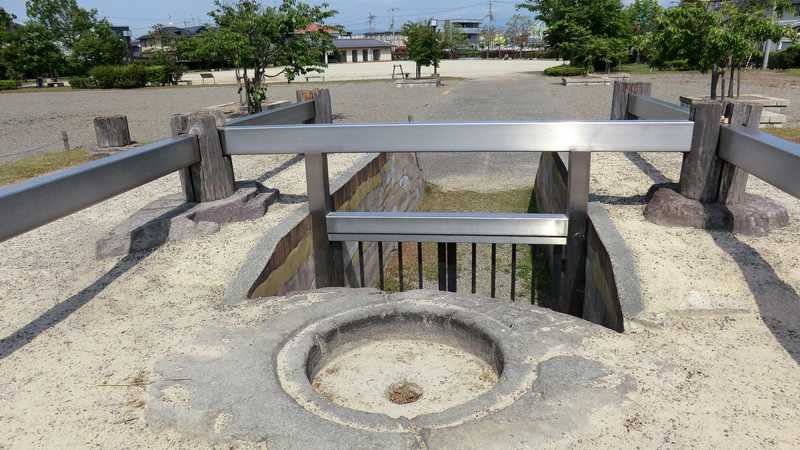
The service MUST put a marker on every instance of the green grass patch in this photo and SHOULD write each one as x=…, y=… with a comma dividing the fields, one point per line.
x=790, y=134
x=33, y=166
x=529, y=265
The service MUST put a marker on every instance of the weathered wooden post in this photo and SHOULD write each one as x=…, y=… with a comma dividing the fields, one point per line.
x=179, y=125
x=619, y=99
x=328, y=256
x=733, y=180
x=700, y=169
x=212, y=178
x=112, y=131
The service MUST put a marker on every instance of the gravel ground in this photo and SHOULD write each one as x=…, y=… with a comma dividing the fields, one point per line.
x=715, y=352
x=32, y=122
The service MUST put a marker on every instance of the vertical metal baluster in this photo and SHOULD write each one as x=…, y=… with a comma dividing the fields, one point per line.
x=452, y=267
x=361, y=261
x=400, y=263
x=494, y=267
x=419, y=263
x=533, y=275
x=473, y=267
x=380, y=262
x=513, y=272
x=442, y=256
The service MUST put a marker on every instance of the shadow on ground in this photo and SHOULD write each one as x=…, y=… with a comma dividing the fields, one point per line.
x=777, y=301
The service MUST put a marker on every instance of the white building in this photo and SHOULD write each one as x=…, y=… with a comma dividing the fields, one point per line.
x=360, y=50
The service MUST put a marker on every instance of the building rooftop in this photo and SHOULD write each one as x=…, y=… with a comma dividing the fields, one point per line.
x=359, y=43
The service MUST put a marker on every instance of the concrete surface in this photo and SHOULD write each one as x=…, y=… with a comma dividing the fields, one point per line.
x=225, y=385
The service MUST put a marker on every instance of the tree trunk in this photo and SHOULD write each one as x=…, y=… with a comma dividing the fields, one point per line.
x=722, y=91
x=733, y=73
x=738, y=82
x=418, y=70
x=714, y=81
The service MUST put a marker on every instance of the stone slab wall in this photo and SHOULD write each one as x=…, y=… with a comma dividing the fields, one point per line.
x=612, y=284
x=281, y=262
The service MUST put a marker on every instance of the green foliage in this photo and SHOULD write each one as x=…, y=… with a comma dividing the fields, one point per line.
x=97, y=46
x=121, y=77
x=163, y=68
x=716, y=39
x=565, y=71
x=584, y=31
x=787, y=59
x=64, y=19
x=29, y=51
x=6, y=85
x=255, y=37
x=452, y=37
x=423, y=44
x=83, y=83
x=6, y=20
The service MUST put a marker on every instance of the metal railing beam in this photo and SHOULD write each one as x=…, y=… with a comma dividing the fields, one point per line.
x=601, y=136
x=649, y=108
x=35, y=202
x=774, y=160
x=504, y=228
x=292, y=114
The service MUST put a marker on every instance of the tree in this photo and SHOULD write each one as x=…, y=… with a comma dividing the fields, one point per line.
x=259, y=37
x=518, y=30
x=719, y=37
x=583, y=31
x=97, y=46
x=423, y=44
x=642, y=15
x=63, y=19
x=453, y=38
x=28, y=51
x=6, y=21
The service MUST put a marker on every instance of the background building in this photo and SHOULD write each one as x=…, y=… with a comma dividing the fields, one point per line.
x=360, y=50
x=470, y=27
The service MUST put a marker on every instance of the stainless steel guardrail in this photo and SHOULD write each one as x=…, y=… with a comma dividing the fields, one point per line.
x=291, y=114
x=774, y=160
x=600, y=136
x=492, y=228
x=35, y=202
x=649, y=108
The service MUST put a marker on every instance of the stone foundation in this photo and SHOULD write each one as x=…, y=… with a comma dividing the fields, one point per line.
x=170, y=218
x=754, y=216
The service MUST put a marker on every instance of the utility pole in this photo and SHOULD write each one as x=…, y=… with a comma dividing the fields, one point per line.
x=391, y=14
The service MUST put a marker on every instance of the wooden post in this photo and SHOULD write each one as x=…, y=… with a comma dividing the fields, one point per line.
x=112, y=131
x=65, y=140
x=212, y=177
x=619, y=99
x=700, y=170
x=328, y=256
x=179, y=125
x=733, y=180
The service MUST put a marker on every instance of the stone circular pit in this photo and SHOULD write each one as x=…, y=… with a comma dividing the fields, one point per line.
x=397, y=360
x=358, y=368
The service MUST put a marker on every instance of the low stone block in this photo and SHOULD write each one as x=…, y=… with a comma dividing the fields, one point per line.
x=755, y=216
x=170, y=218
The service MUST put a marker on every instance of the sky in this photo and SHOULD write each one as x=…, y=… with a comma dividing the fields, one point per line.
x=141, y=15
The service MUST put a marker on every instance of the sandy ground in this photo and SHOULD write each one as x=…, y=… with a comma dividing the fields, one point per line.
x=463, y=68
x=361, y=377
x=715, y=352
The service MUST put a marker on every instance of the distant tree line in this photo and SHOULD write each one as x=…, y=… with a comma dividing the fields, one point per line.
x=716, y=36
